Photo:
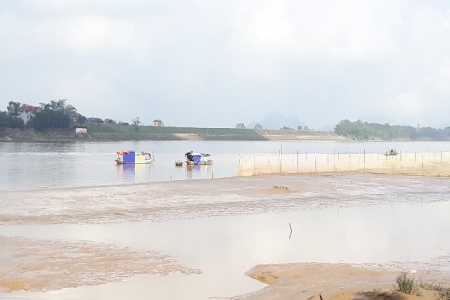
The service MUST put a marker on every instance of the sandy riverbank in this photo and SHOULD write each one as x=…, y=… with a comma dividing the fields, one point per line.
x=159, y=202
x=334, y=282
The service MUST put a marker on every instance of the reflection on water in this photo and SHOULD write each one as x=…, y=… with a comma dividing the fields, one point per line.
x=137, y=173
x=199, y=171
x=134, y=173
x=125, y=172
x=223, y=248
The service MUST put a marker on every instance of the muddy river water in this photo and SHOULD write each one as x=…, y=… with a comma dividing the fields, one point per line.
x=47, y=165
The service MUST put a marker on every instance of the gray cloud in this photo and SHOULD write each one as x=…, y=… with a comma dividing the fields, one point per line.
x=209, y=63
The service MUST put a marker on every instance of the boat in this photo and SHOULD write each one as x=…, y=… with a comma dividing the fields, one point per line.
x=196, y=158
x=131, y=157
x=391, y=152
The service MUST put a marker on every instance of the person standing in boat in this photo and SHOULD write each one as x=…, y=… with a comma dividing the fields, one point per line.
x=189, y=155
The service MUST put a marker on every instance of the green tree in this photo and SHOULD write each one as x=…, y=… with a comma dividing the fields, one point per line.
x=258, y=127
x=55, y=115
x=9, y=121
x=81, y=119
x=60, y=106
x=240, y=126
x=50, y=119
x=13, y=108
x=95, y=120
x=136, y=122
x=360, y=130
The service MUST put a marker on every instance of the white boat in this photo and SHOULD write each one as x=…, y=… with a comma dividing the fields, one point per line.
x=197, y=158
x=391, y=152
x=131, y=157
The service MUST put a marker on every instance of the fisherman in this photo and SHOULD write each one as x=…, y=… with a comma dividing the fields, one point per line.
x=189, y=155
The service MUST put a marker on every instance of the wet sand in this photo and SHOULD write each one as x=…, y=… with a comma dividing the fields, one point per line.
x=218, y=197
x=332, y=281
x=158, y=202
x=45, y=265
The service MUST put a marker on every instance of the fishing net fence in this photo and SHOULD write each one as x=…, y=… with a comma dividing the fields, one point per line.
x=415, y=163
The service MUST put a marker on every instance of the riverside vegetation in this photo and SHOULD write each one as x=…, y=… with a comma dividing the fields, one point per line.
x=407, y=284
x=360, y=130
x=55, y=121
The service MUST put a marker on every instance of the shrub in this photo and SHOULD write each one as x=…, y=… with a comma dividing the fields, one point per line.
x=405, y=283
x=281, y=187
x=443, y=293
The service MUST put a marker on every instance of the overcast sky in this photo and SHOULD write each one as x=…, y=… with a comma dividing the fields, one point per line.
x=219, y=63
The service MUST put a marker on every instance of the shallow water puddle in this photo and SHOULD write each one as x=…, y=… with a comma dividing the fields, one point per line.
x=223, y=248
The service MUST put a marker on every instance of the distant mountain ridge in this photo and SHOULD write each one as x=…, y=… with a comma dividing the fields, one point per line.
x=277, y=121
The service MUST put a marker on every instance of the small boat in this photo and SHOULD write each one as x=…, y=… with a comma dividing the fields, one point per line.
x=196, y=158
x=391, y=152
x=131, y=157
x=178, y=163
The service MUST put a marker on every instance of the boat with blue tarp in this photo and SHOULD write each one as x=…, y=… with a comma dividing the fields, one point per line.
x=132, y=157
x=197, y=158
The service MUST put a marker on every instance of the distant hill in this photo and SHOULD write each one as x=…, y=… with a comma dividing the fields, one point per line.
x=277, y=121
x=328, y=128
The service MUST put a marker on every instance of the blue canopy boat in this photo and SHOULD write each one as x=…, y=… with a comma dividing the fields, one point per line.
x=195, y=158
x=131, y=157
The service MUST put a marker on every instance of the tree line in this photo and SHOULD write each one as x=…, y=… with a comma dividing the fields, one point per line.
x=52, y=115
x=61, y=115
x=258, y=127
x=360, y=130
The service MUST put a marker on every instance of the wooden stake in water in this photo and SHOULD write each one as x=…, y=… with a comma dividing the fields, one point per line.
x=364, y=160
x=281, y=156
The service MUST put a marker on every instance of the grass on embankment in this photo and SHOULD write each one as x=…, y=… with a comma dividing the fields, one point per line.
x=114, y=132
x=122, y=132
